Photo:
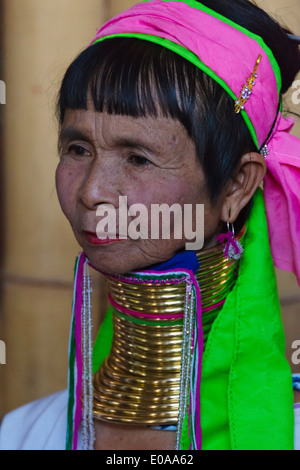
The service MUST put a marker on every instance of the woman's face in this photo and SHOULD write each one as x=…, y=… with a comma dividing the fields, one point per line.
x=147, y=160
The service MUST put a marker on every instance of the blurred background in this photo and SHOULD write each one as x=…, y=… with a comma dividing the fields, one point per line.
x=38, y=40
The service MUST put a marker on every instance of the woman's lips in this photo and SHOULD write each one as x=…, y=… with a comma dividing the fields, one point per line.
x=93, y=239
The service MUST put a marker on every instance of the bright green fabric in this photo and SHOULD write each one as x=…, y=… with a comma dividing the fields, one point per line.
x=246, y=387
x=103, y=341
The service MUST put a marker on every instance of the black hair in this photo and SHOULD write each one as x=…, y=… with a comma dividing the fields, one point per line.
x=138, y=78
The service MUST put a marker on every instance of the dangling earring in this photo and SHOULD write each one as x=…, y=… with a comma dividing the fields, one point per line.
x=233, y=249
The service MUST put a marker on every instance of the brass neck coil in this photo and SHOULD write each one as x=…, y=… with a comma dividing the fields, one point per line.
x=139, y=381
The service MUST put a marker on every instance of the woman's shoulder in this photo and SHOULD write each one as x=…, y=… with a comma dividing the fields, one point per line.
x=38, y=425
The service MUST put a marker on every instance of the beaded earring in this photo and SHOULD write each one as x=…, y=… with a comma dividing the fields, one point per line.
x=233, y=249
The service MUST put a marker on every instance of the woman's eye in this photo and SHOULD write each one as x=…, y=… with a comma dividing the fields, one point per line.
x=138, y=160
x=78, y=150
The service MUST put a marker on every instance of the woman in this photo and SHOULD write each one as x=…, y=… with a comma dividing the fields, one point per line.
x=177, y=102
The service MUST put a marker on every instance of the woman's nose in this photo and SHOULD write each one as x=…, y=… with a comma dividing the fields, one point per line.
x=100, y=184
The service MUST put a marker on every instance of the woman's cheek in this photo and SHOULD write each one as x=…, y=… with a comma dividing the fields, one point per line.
x=66, y=189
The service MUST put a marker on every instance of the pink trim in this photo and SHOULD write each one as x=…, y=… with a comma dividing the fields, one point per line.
x=164, y=273
x=198, y=430
x=211, y=307
x=146, y=272
x=160, y=316
x=78, y=350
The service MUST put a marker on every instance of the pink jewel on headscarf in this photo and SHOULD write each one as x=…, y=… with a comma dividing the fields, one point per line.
x=247, y=89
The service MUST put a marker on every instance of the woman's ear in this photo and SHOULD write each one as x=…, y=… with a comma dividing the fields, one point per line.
x=242, y=185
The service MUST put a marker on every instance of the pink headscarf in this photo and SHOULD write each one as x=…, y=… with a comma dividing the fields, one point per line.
x=231, y=53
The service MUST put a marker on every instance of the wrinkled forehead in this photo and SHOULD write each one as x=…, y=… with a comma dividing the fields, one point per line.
x=153, y=134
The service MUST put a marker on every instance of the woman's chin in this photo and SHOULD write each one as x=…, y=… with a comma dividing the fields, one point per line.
x=118, y=259
x=118, y=266
x=109, y=264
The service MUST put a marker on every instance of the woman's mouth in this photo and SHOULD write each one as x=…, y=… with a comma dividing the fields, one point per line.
x=104, y=239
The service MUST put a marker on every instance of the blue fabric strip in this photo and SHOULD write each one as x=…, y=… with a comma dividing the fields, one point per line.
x=185, y=260
x=296, y=382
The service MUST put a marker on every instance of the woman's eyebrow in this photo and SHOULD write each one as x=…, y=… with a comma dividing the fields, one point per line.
x=72, y=133
x=133, y=141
